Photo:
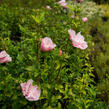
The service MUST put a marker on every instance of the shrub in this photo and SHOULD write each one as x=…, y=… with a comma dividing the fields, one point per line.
x=66, y=81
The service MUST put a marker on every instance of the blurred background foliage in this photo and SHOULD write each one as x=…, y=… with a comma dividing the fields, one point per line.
x=101, y=1
x=99, y=29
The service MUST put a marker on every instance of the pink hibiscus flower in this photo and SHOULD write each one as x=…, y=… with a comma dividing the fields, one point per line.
x=63, y=3
x=31, y=93
x=77, y=40
x=47, y=44
x=84, y=19
x=4, y=57
x=48, y=7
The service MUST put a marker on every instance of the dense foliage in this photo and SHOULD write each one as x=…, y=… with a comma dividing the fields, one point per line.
x=66, y=81
x=100, y=58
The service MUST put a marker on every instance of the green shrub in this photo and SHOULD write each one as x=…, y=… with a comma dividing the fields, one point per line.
x=66, y=81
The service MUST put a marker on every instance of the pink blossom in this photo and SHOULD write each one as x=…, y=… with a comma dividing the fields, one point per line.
x=48, y=7
x=60, y=52
x=77, y=40
x=47, y=44
x=73, y=16
x=79, y=1
x=63, y=3
x=4, y=57
x=84, y=19
x=31, y=93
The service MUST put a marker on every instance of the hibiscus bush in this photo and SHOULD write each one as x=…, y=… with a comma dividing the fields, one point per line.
x=44, y=61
